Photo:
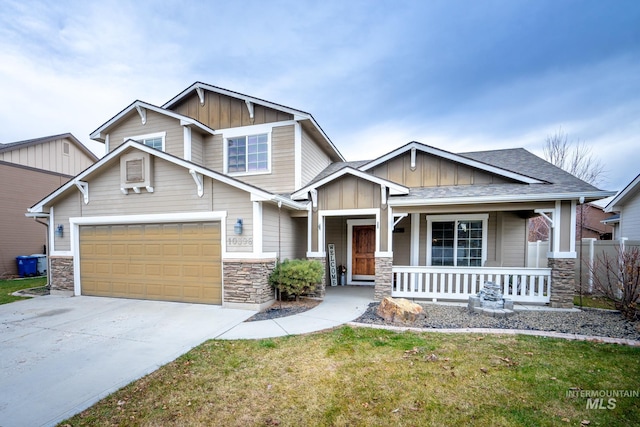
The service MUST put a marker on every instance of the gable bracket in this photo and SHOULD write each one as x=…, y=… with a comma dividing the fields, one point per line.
x=399, y=218
x=143, y=114
x=413, y=158
x=197, y=177
x=200, y=94
x=314, y=198
x=250, y=108
x=383, y=195
x=543, y=213
x=84, y=189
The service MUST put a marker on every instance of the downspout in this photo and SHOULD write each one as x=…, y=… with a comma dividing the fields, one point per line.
x=46, y=224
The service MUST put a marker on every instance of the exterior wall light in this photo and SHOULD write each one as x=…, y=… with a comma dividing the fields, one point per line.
x=238, y=227
x=59, y=230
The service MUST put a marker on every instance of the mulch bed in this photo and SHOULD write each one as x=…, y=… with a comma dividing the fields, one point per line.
x=285, y=308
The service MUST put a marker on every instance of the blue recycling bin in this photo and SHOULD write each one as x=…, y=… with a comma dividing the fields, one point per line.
x=27, y=265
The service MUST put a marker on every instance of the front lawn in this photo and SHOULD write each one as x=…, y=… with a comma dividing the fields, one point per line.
x=594, y=302
x=7, y=287
x=360, y=376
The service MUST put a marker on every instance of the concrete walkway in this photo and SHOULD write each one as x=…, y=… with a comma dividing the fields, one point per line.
x=341, y=304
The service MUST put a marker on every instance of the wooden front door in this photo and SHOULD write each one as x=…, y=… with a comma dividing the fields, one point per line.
x=363, y=250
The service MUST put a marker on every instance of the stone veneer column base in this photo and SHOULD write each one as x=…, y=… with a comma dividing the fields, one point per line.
x=562, y=282
x=322, y=286
x=384, y=278
x=246, y=283
x=61, y=276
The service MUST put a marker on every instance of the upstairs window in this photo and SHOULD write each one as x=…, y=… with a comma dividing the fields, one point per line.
x=248, y=154
x=153, y=140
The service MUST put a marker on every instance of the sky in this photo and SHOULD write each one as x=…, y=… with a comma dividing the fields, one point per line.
x=460, y=75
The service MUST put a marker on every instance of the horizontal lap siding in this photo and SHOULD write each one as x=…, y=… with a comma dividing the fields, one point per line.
x=281, y=178
x=66, y=208
x=213, y=153
x=284, y=235
x=237, y=204
x=197, y=148
x=314, y=160
x=132, y=126
x=174, y=191
x=630, y=220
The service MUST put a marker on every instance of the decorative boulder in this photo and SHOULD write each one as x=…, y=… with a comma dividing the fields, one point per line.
x=399, y=310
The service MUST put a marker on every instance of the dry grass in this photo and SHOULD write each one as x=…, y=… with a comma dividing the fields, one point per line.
x=354, y=377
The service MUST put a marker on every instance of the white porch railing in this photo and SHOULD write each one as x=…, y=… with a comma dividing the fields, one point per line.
x=528, y=285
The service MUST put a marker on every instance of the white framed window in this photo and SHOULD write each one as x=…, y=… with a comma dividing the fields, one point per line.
x=247, y=150
x=153, y=140
x=457, y=240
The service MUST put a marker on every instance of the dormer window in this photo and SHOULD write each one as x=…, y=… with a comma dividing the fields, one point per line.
x=153, y=140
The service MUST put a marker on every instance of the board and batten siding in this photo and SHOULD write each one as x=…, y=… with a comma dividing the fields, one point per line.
x=50, y=156
x=132, y=126
x=349, y=192
x=314, y=159
x=222, y=111
x=630, y=219
x=281, y=233
x=431, y=171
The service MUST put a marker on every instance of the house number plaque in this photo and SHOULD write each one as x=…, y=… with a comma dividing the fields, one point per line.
x=239, y=241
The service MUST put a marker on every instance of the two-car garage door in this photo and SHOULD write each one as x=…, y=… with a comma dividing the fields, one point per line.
x=170, y=262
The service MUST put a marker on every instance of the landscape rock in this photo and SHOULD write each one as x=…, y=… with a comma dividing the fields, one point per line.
x=399, y=310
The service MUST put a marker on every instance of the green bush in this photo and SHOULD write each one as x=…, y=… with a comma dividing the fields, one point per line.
x=296, y=277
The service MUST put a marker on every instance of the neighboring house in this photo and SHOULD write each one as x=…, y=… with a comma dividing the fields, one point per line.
x=29, y=170
x=627, y=205
x=195, y=201
x=592, y=219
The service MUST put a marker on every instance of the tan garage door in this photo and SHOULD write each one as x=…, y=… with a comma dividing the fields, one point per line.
x=169, y=262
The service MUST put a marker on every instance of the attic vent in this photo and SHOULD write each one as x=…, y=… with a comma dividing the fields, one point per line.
x=65, y=148
x=135, y=171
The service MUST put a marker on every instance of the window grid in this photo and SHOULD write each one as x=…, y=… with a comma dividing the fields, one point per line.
x=248, y=153
x=153, y=143
x=456, y=243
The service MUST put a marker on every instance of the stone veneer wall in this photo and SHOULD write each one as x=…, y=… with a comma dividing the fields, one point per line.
x=322, y=286
x=246, y=281
x=384, y=277
x=562, y=282
x=61, y=274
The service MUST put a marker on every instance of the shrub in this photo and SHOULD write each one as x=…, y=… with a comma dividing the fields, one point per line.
x=296, y=277
x=619, y=280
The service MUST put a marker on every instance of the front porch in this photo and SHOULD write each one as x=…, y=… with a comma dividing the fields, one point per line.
x=524, y=285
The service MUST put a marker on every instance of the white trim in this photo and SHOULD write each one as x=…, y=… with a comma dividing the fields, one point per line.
x=141, y=138
x=98, y=136
x=557, y=225
x=452, y=157
x=622, y=195
x=383, y=254
x=229, y=256
x=316, y=254
x=76, y=222
x=394, y=188
x=484, y=217
x=257, y=227
x=297, y=155
x=466, y=200
x=197, y=178
x=298, y=114
x=309, y=226
x=559, y=254
x=188, y=165
x=246, y=132
x=186, y=130
x=350, y=224
x=415, y=239
x=106, y=144
x=390, y=226
x=572, y=238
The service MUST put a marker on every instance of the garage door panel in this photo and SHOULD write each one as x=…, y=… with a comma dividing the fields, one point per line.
x=173, y=262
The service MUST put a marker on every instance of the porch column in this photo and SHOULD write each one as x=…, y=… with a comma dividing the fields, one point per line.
x=384, y=278
x=562, y=282
x=321, y=287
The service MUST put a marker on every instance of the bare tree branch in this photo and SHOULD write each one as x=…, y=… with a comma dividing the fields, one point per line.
x=574, y=157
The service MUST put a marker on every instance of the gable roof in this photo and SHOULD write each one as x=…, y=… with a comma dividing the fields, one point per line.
x=299, y=115
x=36, y=141
x=257, y=193
x=394, y=189
x=623, y=196
x=184, y=120
x=465, y=160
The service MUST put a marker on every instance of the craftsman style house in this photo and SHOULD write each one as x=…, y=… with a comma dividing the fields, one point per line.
x=29, y=170
x=196, y=200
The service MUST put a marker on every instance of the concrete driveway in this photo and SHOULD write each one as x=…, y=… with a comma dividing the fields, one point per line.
x=60, y=355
